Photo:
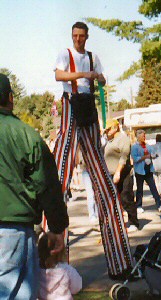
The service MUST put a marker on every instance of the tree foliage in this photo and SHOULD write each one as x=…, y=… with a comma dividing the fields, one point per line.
x=132, y=31
x=150, y=8
x=149, y=91
x=122, y=105
x=135, y=68
x=36, y=111
x=135, y=31
x=16, y=86
x=150, y=48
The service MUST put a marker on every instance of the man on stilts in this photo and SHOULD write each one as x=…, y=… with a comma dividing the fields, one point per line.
x=77, y=69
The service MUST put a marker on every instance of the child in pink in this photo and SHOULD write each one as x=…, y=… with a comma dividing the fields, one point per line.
x=58, y=280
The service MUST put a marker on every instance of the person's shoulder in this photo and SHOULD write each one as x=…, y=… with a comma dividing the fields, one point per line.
x=125, y=137
x=149, y=146
x=66, y=267
x=93, y=53
x=63, y=265
x=27, y=130
x=122, y=139
x=134, y=146
x=121, y=136
x=64, y=52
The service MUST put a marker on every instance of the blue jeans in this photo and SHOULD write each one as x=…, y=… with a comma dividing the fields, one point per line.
x=18, y=263
x=92, y=208
x=151, y=183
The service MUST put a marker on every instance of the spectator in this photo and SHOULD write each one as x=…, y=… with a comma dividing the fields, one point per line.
x=156, y=156
x=58, y=280
x=28, y=184
x=117, y=156
x=143, y=168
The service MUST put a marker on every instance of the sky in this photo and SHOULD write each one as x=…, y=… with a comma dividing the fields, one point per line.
x=33, y=32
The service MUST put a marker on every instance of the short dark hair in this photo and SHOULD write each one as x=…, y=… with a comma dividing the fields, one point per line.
x=4, y=99
x=158, y=138
x=139, y=132
x=80, y=25
x=43, y=250
x=5, y=89
x=45, y=245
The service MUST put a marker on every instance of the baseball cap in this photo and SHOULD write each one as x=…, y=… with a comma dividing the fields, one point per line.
x=5, y=86
x=111, y=122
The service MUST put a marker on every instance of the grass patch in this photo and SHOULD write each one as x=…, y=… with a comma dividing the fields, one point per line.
x=92, y=296
x=104, y=296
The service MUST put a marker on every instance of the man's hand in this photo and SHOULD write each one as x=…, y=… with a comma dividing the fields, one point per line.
x=59, y=244
x=101, y=79
x=116, y=177
x=91, y=75
x=145, y=157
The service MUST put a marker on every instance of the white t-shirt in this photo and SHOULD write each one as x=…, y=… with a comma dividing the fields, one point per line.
x=82, y=64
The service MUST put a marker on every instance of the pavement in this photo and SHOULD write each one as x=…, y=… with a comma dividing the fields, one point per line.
x=86, y=250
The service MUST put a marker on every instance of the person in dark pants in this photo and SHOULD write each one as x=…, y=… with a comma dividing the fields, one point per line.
x=125, y=189
x=117, y=156
x=143, y=167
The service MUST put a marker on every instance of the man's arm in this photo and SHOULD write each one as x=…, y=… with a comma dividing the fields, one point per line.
x=116, y=177
x=51, y=201
x=69, y=76
x=51, y=197
x=124, y=146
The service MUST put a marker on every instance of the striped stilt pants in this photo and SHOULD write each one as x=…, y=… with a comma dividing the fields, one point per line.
x=113, y=231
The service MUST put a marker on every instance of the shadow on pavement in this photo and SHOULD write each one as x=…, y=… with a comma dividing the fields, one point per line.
x=143, y=222
x=79, y=236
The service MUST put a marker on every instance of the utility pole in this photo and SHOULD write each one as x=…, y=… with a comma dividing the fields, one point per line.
x=132, y=97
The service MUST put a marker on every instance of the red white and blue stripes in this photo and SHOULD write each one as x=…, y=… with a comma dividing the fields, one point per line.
x=113, y=231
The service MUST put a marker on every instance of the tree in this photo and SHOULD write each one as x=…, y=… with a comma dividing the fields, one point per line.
x=123, y=104
x=16, y=86
x=36, y=111
x=59, y=107
x=149, y=91
x=135, y=31
x=150, y=8
x=150, y=45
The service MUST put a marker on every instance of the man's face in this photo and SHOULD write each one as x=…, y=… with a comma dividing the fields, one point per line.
x=111, y=132
x=79, y=38
x=141, y=137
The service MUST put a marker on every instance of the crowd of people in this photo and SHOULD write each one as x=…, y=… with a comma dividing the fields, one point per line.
x=35, y=182
x=124, y=160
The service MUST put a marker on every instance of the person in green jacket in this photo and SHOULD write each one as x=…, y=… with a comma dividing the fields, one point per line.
x=29, y=185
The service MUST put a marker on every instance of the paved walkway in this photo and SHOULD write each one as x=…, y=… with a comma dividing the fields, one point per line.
x=86, y=252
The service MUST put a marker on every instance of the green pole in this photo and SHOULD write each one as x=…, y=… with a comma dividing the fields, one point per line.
x=103, y=106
